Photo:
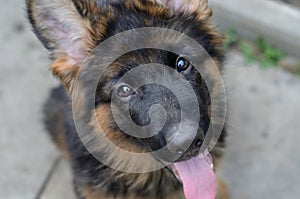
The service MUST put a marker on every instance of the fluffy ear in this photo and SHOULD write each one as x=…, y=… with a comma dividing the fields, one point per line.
x=64, y=28
x=187, y=6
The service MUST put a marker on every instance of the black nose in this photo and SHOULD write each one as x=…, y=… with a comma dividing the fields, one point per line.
x=193, y=150
x=198, y=143
x=181, y=141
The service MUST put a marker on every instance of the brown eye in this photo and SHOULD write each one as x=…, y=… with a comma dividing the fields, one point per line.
x=124, y=91
x=182, y=64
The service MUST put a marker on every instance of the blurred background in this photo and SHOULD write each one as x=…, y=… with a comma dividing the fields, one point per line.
x=262, y=76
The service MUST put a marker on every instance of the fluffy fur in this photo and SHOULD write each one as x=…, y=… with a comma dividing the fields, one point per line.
x=70, y=29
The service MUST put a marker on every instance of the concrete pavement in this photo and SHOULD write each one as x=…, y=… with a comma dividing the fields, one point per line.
x=262, y=159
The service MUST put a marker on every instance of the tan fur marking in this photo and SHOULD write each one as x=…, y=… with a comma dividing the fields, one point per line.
x=147, y=22
x=105, y=119
x=187, y=6
x=222, y=190
x=89, y=193
x=151, y=7
x=59, y=137
x=67, y=70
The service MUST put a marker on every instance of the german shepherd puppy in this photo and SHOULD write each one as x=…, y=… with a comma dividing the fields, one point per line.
x=71, y=30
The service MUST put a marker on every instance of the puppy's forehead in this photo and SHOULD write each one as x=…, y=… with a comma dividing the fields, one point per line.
x=120, y=18
x=136, y=58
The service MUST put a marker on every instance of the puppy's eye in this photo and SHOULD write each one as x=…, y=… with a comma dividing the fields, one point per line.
x=124, y=91
x=182, y=64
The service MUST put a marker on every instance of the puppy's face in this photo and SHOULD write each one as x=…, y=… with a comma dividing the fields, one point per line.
x=125, y=103
x=72, y=29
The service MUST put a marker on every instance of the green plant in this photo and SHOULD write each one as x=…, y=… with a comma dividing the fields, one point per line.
x=269, y=54
x=247, y=50
x=298, y=73
x=230, y=39
x=266, y=54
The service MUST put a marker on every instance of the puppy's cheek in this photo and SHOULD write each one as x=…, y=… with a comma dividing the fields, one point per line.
x=104, y=121
x=105, y=124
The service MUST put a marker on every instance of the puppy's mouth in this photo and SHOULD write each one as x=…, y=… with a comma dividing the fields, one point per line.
x=197, y=176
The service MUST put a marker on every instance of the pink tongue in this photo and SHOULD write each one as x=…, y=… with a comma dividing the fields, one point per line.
x=198, y=178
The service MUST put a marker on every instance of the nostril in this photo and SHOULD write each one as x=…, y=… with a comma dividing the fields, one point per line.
x=198, y=143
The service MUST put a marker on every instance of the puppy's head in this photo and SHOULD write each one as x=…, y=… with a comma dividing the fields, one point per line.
x=72, y=29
